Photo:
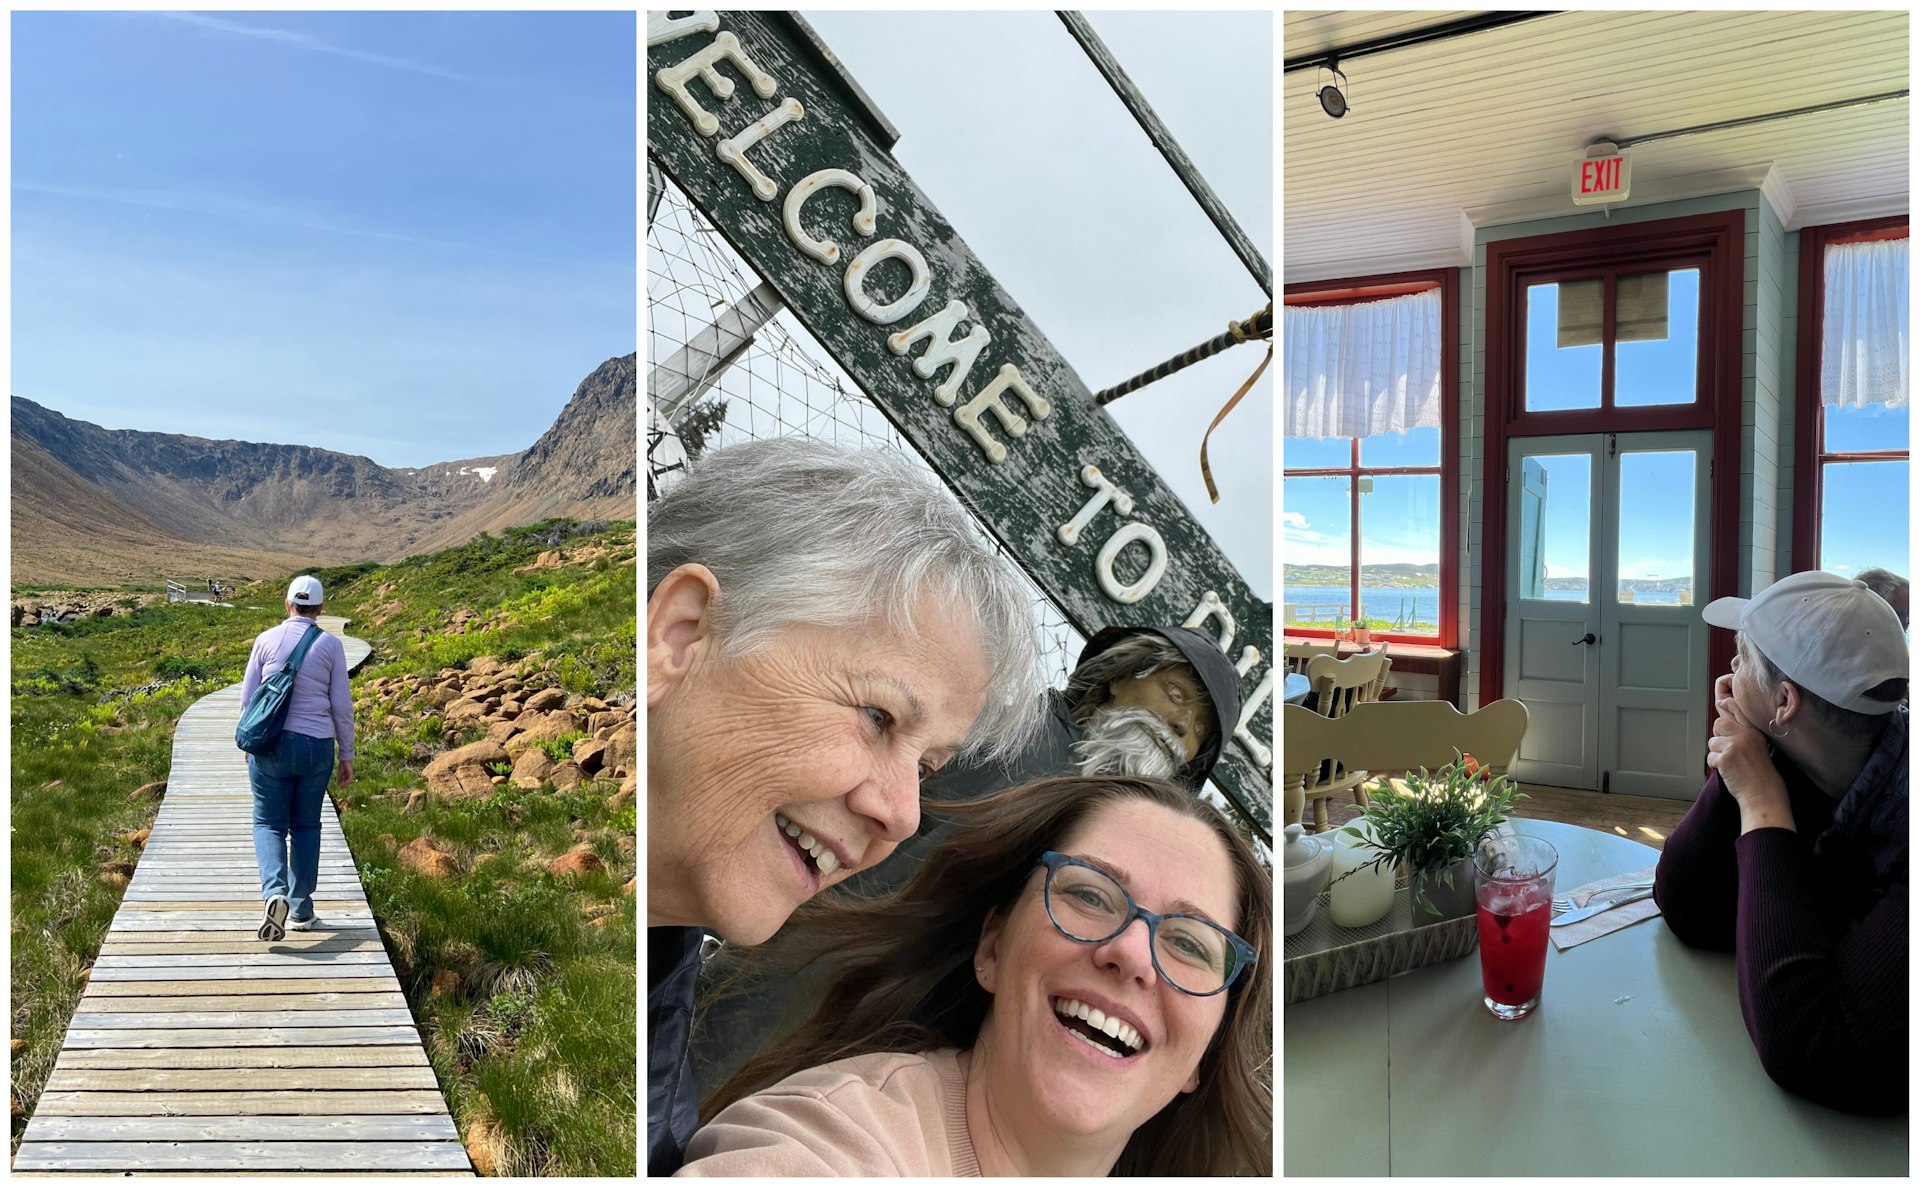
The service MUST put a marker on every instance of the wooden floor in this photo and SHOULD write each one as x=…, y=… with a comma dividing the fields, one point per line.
x=197, y=1047
x=1648, y=820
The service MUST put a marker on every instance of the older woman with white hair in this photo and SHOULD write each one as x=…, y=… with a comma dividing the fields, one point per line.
x=1795, y=855
x=825, y=629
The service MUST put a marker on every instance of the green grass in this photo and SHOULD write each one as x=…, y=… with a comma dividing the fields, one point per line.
x=540, y=1035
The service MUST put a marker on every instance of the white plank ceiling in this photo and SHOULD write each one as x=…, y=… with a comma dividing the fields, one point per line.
x=1485, y=128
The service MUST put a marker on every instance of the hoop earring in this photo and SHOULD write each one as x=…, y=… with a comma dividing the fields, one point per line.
x=1784, y=730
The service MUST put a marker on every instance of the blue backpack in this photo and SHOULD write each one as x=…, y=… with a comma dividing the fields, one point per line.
x=266, y=716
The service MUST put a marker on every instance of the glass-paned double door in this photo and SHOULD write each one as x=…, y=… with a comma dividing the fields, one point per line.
x=1604, y=640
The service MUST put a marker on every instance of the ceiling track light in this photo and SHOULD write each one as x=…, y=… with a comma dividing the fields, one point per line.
x=1333, y=99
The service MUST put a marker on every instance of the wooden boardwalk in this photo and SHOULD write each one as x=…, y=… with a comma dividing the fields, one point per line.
x=199, y=1048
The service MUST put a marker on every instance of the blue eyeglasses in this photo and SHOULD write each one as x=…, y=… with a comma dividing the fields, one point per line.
x=1195, y=955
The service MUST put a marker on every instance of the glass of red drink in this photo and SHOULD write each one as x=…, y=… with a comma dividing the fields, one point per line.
x=1513, y=896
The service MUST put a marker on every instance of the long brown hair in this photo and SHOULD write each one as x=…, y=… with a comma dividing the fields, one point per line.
x=900, y=969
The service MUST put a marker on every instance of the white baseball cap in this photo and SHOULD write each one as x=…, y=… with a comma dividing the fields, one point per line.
x=305, y=591
x=1828, y=634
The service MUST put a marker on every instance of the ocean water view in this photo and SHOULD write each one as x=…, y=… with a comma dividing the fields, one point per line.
x=1396, y=604
x=1403, y=604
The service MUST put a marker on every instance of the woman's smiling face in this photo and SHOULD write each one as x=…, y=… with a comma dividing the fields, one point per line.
x=1041, y=1070
x=774, y=775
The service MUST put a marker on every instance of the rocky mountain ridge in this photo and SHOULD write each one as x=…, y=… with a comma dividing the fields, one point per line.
x=294, y=501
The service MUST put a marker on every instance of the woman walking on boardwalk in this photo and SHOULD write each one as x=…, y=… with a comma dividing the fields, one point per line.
x=290, y=782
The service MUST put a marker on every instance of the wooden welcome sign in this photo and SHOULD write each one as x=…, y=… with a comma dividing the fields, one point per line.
x=766, y=134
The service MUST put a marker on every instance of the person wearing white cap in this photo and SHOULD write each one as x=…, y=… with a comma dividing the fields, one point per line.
x=290, y=783
x=1795, y=854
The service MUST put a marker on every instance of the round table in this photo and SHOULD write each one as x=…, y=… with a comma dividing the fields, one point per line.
x=1637, y=1062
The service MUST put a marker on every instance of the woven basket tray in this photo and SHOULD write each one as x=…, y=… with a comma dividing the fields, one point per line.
x=1323, y=957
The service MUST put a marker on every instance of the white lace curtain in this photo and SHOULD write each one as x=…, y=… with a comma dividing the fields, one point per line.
x=1863, y=344
x=1358, y=370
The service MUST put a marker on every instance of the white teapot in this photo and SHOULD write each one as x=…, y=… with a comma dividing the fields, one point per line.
x=1306, y=866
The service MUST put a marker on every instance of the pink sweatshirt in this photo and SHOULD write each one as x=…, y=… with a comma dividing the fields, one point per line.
x=883, y=1114
x=321, y=706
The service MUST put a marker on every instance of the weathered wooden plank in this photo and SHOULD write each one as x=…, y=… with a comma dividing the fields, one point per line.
x=207, y=935
x=127, y=1104
x=282, y=1174
x=229, y=1037
x=177, y=924
x=375, y=1056
x=266, y=958
x=140, y=988
x=242, y=1128
x=173, y=900
x=294, y=1001
x=158, y=1079
x=320, y=943
x=380, y=1017
x=307, y=1156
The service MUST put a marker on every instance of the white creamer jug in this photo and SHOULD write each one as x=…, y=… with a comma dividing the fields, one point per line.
x=1362, y=896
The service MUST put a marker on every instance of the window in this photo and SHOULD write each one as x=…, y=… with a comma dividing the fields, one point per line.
x=1852, y=424
x=1368, y=482
x=1623, y=339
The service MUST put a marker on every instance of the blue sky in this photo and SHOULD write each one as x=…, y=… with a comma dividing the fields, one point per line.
x=404, y=235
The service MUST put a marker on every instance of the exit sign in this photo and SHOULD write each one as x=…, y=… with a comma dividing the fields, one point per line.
x=1601, y=179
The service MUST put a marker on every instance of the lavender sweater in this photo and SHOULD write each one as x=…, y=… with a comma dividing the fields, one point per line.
x=1816, y=917
x=321, y=707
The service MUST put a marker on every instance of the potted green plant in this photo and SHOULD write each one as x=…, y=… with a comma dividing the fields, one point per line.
x=1431, y=829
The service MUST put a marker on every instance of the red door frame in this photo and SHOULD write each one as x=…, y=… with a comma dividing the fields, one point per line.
x=1814, y=242
x=1351, y=291
x=1719, y=239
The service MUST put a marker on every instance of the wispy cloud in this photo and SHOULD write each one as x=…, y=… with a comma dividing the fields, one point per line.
x=312, y=44
x=1293, y=519
x=224, y=206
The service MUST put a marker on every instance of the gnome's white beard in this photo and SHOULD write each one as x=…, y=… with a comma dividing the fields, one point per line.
x=1131, y=742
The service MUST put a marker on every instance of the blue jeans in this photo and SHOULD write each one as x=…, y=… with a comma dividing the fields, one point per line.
x=288, y=789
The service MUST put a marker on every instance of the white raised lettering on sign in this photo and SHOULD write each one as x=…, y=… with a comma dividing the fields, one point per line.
x=855, y=281
x=673, y=80
x=1103, y=493
x=1248, y=658
x=967, y=416
x=1254, y=747
x=942, y=350
x=662, y=28
x=733, y=150
x=1147, y=535
x=825, y=250
x=1212, y=608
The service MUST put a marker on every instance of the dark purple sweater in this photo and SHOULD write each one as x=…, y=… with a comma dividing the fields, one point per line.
x=1816, y=920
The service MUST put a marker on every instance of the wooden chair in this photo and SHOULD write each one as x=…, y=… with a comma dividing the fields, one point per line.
x=1299, y=655
x=1338, y=686
x=1390, y=736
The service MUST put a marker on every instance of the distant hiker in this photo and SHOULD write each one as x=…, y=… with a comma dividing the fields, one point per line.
x=290, y=783
x=825, y=629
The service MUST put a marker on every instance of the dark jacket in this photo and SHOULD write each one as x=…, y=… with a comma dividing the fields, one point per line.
x=734, y=1029
x=1816, y=917
x=673, y=1112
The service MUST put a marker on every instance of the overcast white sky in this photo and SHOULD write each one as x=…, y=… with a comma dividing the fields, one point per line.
x=1013, y=134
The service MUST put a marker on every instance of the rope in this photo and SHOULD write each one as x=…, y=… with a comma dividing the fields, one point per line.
x=1206, y=471
x=1257, y=327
